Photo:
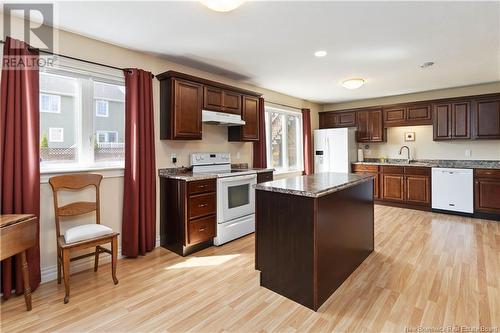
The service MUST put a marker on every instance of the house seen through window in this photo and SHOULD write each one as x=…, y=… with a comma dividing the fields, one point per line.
x=284, y=139
x=82, y=119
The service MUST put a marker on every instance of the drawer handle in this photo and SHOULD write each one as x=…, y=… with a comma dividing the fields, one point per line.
x=202, y=205
x=202, y=186
x=202, y=229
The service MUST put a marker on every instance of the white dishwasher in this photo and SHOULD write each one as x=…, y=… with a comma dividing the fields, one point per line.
x=452, y=189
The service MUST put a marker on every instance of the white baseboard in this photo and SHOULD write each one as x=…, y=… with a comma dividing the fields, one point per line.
x=50, y=273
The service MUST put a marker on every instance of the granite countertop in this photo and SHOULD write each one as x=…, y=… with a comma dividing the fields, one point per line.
x=315, y=185
x=465, y=164
x=257, y=170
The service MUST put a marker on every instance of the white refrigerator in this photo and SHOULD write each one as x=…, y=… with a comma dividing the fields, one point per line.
x=334, y=149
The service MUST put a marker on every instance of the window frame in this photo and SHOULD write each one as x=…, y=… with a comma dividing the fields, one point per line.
x=285, y=168
x=97, y=101
x=50, y=134
x=49, y=110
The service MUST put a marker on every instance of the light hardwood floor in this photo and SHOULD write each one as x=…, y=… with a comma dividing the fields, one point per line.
x=428, y=270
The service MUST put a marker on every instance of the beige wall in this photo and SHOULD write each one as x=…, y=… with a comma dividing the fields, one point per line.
x=424, y=147
x=214, y=138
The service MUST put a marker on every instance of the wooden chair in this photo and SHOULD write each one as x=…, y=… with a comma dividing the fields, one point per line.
x=84, y=236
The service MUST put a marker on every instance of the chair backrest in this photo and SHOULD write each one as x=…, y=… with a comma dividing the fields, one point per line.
x=75, y=182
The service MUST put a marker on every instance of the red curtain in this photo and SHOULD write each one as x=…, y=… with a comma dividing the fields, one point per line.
x=259, y=147
x=139, y=190
x=19, y=152
x=306, y=129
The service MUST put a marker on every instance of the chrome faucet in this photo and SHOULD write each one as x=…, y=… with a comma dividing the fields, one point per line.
x=401, y=151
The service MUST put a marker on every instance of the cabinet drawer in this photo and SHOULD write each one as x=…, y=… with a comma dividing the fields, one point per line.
x=487, y=173
x=201, y=186
x=364, y=168
x=392, y=169
x=201, y=205
x=419, y=171
x=201, y=230
x=264, y=177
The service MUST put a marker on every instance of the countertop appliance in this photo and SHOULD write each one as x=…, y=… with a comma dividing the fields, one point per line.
x=452, y=189
x=235, y=195
x=334, y=149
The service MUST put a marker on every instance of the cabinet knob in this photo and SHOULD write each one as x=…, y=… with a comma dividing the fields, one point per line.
x=202, y=205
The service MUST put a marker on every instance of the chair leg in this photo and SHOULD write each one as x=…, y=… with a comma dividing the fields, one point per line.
x=65, y=264
x=58, y=266
x=114, y=258
x=96, y=258
x=26, y=280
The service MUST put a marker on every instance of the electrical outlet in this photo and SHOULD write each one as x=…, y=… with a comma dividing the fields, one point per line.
x=468, y=153
x=173, y=158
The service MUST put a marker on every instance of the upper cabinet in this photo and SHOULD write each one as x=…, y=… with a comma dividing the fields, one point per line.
x=451, y=120
x=337, y=119
x=486, y=117
x=407, y=115
x=181, y=103
x=370, y=125
x=183, y=97
x=250, y=114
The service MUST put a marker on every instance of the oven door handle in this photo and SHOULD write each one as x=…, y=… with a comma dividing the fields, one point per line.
x=238, y=178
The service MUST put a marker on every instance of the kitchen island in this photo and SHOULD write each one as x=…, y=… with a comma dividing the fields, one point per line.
x=312, y=232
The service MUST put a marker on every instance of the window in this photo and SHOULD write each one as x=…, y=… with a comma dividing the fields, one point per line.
x=101, y=108
x=56, y=134
x=87, y=132
x=284, y=140
x=50, y=103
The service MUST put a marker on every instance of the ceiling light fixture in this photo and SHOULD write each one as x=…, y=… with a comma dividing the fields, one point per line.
x=222, y=5
x=353, y=83
x=320, y=53
x=427, y=64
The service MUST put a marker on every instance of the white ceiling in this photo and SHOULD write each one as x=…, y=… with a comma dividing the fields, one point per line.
x=271, y=44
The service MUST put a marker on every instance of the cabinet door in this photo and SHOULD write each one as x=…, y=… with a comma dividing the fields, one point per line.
x=460, y=116
x=363, y=134
x=231, y=102
x=393, y=187
x=442, y=122
x=250, y=114
x=394, y=116
x=419, y=114
x=418, y=190
x=376, y=127
x=346, y=119
x=212, y=98
x=328, y=119
x=188, y=101
x=487, y=119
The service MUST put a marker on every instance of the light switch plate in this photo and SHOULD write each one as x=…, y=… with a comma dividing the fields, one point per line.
x=468, y=153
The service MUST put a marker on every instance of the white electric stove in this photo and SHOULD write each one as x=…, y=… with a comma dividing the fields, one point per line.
x=235, y=195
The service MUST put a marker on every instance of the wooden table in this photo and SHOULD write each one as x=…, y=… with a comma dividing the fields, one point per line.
x=18, y=232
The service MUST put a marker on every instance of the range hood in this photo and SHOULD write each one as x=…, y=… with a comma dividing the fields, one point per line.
x=221, y=118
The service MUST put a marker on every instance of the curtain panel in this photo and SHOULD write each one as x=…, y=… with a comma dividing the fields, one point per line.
x=19, y=152
x=139, y=192
x=259, y=147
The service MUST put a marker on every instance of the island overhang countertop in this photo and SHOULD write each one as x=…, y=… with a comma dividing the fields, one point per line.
x=315, y=185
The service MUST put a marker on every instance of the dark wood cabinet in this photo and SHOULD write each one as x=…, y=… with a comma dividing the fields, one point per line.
x=451, y=120
x=486, y=118
x=231, y=102
x=264, y=177
x=220, y=100
x=393, y=183
x=250, y=114
x=408, y=185
x=370, y=126
x=370, y=170
x=487, y=191
x=407, y=115
x=181, y=103
x=187, y=214
x=337, y=119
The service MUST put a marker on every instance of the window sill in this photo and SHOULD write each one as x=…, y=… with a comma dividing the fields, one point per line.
x=106, y=172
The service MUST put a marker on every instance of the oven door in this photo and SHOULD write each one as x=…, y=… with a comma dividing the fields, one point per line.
x=235, y=197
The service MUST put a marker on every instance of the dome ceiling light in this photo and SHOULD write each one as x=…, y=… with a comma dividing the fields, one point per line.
x=222, y=6
x=353, y=83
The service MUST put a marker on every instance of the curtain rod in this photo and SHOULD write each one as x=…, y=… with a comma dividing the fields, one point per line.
x=74, y=58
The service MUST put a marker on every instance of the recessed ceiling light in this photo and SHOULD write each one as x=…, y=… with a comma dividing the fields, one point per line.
x=353, y=83
x=427, y=64
x=320, y=53
x=222, y=5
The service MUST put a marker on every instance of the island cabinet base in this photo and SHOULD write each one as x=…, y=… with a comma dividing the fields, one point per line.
x=306, y=247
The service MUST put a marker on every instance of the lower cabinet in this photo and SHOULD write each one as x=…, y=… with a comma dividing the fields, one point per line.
x=187, y=214
x=266, y=176
x=417, y=190
x=487, y=191
x=370, y=170
x=393, y=187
